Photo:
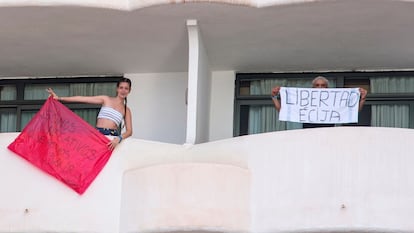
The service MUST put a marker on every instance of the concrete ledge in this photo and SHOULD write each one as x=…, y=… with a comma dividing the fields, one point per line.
x=342, y=179
x=129, y=5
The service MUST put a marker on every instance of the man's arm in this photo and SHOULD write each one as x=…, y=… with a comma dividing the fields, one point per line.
x=362, y=98
x=276, y=97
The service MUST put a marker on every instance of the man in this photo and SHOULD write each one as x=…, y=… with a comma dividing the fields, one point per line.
x=318, y=82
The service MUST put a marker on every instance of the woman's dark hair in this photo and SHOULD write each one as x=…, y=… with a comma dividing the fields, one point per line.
x=124, y=80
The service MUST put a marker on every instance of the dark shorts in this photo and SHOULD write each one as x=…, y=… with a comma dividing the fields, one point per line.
x=106, y=131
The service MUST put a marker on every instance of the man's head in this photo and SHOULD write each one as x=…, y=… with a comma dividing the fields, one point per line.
x=320, y=82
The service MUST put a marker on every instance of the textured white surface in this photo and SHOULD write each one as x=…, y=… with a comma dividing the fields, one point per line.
x=341, y=179
x=75, y=38
x=334, y=179
x=190, y=196
x=135, y=4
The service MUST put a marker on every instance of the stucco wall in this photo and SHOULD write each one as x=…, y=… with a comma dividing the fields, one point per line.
x=222, y=105
x=135, y=4
x=158, y=105
x=343, y=179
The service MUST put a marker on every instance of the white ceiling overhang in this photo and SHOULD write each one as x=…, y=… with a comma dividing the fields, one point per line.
x=55, y=38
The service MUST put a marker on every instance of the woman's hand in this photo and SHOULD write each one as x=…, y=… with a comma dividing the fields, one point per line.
x=113, y=143
x=52, y=93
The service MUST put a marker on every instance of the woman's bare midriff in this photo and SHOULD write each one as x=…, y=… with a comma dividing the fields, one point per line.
x=106, y=123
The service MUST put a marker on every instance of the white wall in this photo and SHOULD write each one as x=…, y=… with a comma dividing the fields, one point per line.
x=33, y=201
x=134, y=4
x=341, y=179
x=157, y=102
x=166, y=187
x=150, y=107
x=222, y=105
x=206, y=193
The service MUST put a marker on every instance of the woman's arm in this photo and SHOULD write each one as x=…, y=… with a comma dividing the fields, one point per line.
x=128, y=131
x=128, y=124
x=100, y=99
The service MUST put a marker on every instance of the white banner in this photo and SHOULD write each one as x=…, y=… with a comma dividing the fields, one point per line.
x=319, y=105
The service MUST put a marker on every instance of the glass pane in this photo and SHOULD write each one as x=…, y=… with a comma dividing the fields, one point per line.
x=244, y=88
x=392, y=85
x=265, y=118
x=264, y=86
x=8, y=92
x=89, y=89
x=38, y=91
x=89, y=115
x=108, y=89
x=27, y=115
x=364, y=83
x=397, y=116
x=8, y=120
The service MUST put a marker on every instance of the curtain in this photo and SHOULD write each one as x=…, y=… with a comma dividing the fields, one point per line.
x=264, y=118
x=7, y=117
x=392, y=85
x=38, y=92
x=26, y=117
x=391, y=115
x=90, y=89
x=8, y=92
x=8, y=122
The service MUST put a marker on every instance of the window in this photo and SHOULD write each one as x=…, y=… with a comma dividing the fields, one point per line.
x=390, y=100
x=21, y=99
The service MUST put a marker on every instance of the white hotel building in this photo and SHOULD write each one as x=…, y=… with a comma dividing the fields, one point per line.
x=208, y=153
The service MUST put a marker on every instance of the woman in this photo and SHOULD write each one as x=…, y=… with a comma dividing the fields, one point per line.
x=112, y=112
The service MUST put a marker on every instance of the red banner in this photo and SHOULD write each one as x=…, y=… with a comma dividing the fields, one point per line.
x=59, y=142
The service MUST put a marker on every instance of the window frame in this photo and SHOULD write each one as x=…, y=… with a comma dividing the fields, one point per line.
x=22, y=105
x=372, y=98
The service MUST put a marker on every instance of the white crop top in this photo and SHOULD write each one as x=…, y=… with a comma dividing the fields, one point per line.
x=111, y=114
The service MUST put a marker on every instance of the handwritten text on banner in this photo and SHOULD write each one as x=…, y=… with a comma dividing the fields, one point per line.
x=319, y=105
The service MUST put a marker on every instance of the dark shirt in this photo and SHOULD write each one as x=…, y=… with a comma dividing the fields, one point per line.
x=310, y=125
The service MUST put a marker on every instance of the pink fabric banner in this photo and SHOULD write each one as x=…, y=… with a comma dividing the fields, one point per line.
x=62, y=144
